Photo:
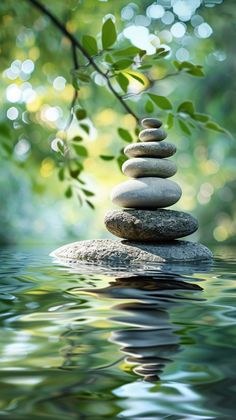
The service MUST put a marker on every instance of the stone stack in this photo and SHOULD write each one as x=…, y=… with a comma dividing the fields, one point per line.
x=144, y=197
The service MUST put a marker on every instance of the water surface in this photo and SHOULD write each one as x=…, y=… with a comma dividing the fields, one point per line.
x=148, y=343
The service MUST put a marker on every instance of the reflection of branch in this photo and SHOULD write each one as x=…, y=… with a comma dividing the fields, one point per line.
x=74, y=41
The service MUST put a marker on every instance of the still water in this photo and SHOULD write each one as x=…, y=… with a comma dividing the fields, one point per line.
x=151, y=343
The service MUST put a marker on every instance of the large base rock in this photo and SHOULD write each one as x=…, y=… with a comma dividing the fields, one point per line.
x=116, y=253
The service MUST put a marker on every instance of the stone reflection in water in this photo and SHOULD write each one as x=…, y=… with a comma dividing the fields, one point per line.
x=151, y=339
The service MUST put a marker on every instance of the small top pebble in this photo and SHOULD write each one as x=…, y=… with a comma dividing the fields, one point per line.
x=151, y=123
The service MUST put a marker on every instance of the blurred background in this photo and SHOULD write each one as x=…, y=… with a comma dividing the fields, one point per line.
x=36, y=93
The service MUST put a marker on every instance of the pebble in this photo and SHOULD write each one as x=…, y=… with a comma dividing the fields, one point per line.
x=146, y=193
x=153, y=149
x=150, y=225
x=140, y=167
x=151, y=123
x=150, y=134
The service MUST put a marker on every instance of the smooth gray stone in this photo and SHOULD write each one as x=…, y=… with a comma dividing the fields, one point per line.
x=148, y=192
x=151, y=123
x=152, y=134
x=142, y=167
x=150, y=225
x=124, y=253
x=150, y=149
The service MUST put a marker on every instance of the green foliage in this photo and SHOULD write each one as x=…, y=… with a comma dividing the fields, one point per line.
x=125, y=135
x=108, y=34
x=161, y=101
x=90, y=44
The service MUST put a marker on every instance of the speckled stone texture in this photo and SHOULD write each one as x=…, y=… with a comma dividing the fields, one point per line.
x=150, y=225
x=116, y=252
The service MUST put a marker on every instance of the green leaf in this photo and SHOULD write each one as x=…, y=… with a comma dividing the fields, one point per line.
x=145, y=67
x=122, y=64
x=216, y=127
x=74, y=173
x=161, y=53
x=77, y=139
x=61, y=174
x=106, y=157
x=138, y=78
x=149, y=107
x=129, y=51
x=90, y=204
x=5, y=130
x=80, y=150
x=120, y=160
x=75, y=83
x=90, y=44
x=85, y=127
x=80, y=75
x=170, y=120
x=122, y=81
x=186, y=107
x=200, y=117
x=184, y=127
x=87, y=192
x=108, y=33
x=161, y=101
x=80, y=114
x=125, y=135
x=68, y=192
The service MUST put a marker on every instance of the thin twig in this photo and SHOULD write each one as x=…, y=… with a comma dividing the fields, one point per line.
x=77, y=44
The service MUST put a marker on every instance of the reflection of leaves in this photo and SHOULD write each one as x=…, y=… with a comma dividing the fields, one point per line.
x=160, y=101
x=108, y=33
x=125, y=135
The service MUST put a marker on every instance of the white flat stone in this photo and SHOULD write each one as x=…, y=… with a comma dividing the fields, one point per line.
x=146, y=193
x=160, y=149
x=142, y=167
x=152, y=134
x=151, y=123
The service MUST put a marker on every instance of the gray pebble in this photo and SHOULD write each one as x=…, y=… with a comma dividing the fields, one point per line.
x=151, y=123
x=152, y=134
x=150, y=149
x=141, y=167
x=146, y=193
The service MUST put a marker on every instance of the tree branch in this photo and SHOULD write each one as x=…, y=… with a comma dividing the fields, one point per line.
x=74, y=41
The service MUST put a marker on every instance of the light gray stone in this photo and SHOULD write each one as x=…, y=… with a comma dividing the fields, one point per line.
x=152, y=134
x=150, y=225
x=151, y=123
x=150, y=149
x=142, y=167
x=146, y=193
x=107, y=252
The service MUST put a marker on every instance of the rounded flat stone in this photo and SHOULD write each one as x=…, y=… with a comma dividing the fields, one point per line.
x=150, y=225
x=148, y=192
x=142, y=167
x=151, y=123
x=152, y=134
x=150, y=149
x=107, y=252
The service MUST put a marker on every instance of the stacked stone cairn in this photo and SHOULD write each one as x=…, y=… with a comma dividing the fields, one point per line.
x=145, y=196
